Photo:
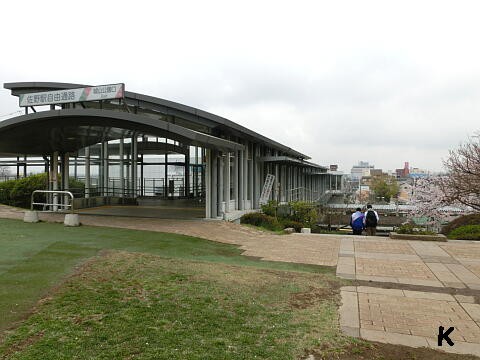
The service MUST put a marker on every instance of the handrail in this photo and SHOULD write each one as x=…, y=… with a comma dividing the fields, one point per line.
x=53, y=192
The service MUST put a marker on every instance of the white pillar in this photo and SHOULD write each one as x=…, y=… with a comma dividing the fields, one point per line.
x=105, y=168
x=208, y=184
x=55, y=179
x=214, y=187
x=250, y=178
x=241, y=180
x=235, y=179
x=226, y=182
x=120, y=164
x=134, y=165
x=245, y=175
x=87, y=172
x=66, y=177
x=221, y=185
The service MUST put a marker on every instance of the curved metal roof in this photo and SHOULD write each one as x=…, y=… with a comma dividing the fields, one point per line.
x=69, y=130
x=214, y=120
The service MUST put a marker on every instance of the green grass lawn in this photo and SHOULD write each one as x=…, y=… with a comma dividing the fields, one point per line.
x=36, y=257
x=140, y=306
x=122, y=294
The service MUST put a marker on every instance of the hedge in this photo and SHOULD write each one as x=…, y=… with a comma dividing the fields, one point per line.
x=467, y=232
x=262, y=220
x=18, y=192
x=472, y=219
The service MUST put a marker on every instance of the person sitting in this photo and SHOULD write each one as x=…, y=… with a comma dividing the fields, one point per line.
x=356, y=222
x=370, y=221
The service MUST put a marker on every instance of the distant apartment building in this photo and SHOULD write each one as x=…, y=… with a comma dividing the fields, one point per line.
x=405, y=190
x=403, y=173
x=376, y=172
x=362, y=169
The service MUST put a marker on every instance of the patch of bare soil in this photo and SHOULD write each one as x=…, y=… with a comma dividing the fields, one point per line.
x=23, y=345
x=313, y=296
x=380, y=351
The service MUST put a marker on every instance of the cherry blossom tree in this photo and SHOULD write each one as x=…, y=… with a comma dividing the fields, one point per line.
x=462, y=182
x=429, y=201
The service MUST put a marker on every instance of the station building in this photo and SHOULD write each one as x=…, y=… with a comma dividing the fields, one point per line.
x=129, y=148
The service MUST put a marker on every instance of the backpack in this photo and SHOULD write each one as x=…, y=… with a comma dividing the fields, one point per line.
x=370, y=219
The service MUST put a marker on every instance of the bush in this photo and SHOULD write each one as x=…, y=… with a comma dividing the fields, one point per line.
x=5, y=189
x=472, y=219
x=412, y=230
x=304, y=213
x=18, y=192
x=277, y=217
x=467, y=232
x=292, y=224
x=270, y=208
x=262, y=220
x=21, y=193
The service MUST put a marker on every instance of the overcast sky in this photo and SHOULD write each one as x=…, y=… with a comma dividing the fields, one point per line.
x=342, y=81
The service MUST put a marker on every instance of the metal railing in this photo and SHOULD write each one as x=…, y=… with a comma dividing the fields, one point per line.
x=302, y=194
x=54, y=205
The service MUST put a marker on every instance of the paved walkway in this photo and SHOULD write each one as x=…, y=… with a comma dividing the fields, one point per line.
x=455, y=264
x=405, y=317
x=401, y=316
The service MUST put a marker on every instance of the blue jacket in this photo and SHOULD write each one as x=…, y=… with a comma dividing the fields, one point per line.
x=356, y=221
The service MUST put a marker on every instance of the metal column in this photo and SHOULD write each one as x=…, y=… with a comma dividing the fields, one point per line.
x=214, y=187
x=226, y=182
x=208, y=184
x=221, y=165
x=235, y=179
x=120, y=164
x=54, y=178
x=241, y=180
x=105, y=168
x=134, y=165
x=87, y=172
x=245, y=176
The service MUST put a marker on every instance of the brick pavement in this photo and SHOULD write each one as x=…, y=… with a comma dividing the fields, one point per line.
x=411, y=318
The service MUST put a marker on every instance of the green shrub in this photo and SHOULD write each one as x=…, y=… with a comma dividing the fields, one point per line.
x=18, y=192
x=286, y=223
x=270, y=208
x=412, y=230
x=21, y=193
x=5, y=189
x=472, y=219
x=261, y=220
x=466, y=232
x=304, y=213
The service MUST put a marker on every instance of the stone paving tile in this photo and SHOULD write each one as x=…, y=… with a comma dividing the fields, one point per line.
x=428, y=249
x=465, y=275
x=444, y=274
x=413, y=318
x=349, y=318
x=385, y=256
x=394, y=268
x=346, y=247
x=463, y=251
x=465, y=299
x=473, y=266
x=346, y=267
x=383, y=246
